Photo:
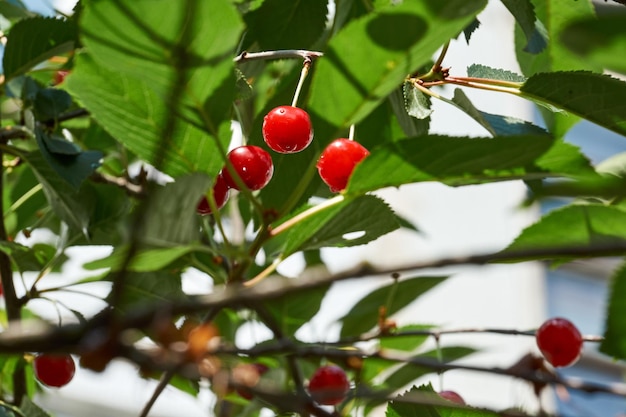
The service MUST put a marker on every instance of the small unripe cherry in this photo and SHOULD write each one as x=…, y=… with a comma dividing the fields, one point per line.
x=329, y=385
x=452, y=396
x=338, y=161
x=287, y=129
x=559, y=341
x=256, y=370
x=253, y=164
x=54, y=370
x=220, y=194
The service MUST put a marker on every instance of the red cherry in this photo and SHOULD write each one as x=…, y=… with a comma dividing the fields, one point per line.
x=260, y=369
x=54, y=370
x=287, y=129
x=220, y=193
x=253, y=164
x=560, y=341
x=329, y=385
x=452, y=396
x=338, y=161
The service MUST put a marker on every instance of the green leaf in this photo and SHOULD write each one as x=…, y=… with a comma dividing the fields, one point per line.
x=483, y=71
x=71, y=205
x=34, y=40
x=535, y=32
x=601, y=40
x=555, y=15
x=67, y=160
x=292, y=311
x=614, y=342
x=135, y=116
x=453, y=160
x=363, y=316
x=350, y=81
x=146, y=260
x=576, y=226
x=49, y=103
x=409, y=125
x=469, y=29
x=160, y=41
x=171, y=218
x=597, y=98
x=30, y=409
x=14, y=10
x=406, y=343
x=417, y=103
x=286, y=24
x=352, y=222
x=143, y=289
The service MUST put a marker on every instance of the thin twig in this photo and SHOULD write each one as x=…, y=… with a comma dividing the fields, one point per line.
x=282, y=54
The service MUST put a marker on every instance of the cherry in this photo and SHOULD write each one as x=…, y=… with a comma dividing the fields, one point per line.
x=258, y=369
x=452, y=396
x=559, y=341
x=253, y=164
x=220, y=193
x=287, y=129
x=338, y=161
x=329, y=385
x=54, y=370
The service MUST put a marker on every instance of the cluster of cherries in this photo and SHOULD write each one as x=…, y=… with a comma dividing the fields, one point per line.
x=286, y=129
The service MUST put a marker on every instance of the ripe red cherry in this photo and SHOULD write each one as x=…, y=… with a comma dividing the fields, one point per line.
x=560, y=341
x=287, y=129
x=54, y=370
x=253, y=164
x=338, y=161
x=329, y=385
x=452, y=396
x=220, y=193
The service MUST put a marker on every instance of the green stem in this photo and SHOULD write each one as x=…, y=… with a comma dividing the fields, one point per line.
x=265, y=273
x=437, y=65
x=305, y=71
x=488, y=81
x=24, y=198
x=306, y=214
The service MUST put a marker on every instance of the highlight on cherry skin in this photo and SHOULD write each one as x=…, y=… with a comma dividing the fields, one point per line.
x=337, y=162
x=253, y=164
x=559, y=341
x=329, y=385
x=220, y=194
x=287, y=129
x=54, y=370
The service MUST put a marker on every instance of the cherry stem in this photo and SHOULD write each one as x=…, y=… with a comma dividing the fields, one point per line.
x=437, y=65
x=306, y=214
x=351, y=132
x=281, y=54
x=306, y=65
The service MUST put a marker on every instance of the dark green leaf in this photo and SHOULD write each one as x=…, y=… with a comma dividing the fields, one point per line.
x=72, y=206
x=14, y=10
x=575, y=226
x=349, y=223
x=294, y=310
x=470, y=29
x=135, y=116
x=67, y=160
x=453, y=160
x=535, y=32
x=34, y=40
x=598, y=98
x=142, y=289
x=287, y=24
x=49, y=103
x=363, y=316
x=349, y=82
x=171, y=218
x=483, y=71
x=601, y=40
x=614, y=343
